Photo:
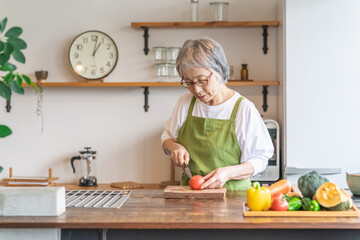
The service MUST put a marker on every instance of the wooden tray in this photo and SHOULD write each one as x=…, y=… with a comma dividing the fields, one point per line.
x=353, y=212
x=187, y=192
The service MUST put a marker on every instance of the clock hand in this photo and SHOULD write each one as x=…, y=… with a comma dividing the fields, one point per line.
x=95, y=46
x=96, y=49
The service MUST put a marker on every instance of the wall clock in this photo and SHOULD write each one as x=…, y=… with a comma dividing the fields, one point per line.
x=93, y=55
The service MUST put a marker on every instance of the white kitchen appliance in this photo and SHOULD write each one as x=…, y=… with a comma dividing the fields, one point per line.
x=272, y=171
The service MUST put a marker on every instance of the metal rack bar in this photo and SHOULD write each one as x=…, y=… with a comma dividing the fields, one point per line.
x=76, y=198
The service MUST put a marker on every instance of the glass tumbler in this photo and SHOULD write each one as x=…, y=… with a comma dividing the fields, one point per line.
x=219, y=11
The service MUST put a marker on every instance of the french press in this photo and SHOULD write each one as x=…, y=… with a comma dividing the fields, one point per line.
x=87, y=167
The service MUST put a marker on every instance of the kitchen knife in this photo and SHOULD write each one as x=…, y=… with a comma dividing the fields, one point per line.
x=187, y=171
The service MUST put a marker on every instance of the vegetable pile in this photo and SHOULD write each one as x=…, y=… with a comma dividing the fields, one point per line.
x=317, y=193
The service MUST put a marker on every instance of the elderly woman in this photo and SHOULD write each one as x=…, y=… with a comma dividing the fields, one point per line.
x=214, y=130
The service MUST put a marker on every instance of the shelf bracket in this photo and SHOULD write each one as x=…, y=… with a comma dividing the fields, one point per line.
x=146, y=40
x=265, y=92
x=8, y=105
x=265, y=35
x=146, y=98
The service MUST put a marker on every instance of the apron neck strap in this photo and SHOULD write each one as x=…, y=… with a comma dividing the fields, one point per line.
x=191, y=108
x=236, y=107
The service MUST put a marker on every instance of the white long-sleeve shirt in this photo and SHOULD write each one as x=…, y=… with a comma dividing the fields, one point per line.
x=253, y=137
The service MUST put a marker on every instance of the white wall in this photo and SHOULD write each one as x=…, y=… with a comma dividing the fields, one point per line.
x=322, y=85
x=112, y=120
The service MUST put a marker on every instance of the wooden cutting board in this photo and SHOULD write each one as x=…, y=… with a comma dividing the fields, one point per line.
x=187, y=192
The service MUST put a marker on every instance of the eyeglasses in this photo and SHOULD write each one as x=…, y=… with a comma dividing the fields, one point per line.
x=199, y=83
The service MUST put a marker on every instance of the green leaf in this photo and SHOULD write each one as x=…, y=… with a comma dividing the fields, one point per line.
x=4, y=58
x=3, y=24
x=29, y=82
x=2, y=46
x=4, y=132
x=5, y=91
x=8, y=49
x=18, y=80
x=18, y=56
x=17, y=43
x=1, y=168
x=26, y=79
x=13, y=32
x=9, y=77
x=8, y=67
x=16, y=88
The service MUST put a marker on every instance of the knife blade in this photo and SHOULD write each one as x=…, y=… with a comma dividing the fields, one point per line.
x=187, y=171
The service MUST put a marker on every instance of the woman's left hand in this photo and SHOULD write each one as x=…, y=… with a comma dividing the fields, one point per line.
x=216, y=178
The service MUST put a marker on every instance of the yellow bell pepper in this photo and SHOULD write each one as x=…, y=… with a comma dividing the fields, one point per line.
x=258, y=198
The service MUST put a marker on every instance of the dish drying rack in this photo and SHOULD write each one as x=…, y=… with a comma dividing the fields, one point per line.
x=96, y=198
x=29, y=181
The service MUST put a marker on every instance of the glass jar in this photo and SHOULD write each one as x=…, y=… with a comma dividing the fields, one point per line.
x=194, y=10
x=230, y=72
x=172, y=53
x=244, y=72
x=172, y=70
x=219, y=11
x=160, y=54
x=162, y=70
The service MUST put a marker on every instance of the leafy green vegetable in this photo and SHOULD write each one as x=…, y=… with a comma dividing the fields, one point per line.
x=309, y=183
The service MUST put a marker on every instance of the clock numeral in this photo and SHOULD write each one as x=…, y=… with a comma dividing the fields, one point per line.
x=85, y=40
x=94, y=37
x=102, y=70
x=93, y=72
x=111, y=55
x=108, y=64
x=79, y=47
x=108, y=46
x=102, y=40
x=76, y=55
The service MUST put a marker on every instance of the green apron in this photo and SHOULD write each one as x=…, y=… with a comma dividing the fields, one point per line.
x=211, y=143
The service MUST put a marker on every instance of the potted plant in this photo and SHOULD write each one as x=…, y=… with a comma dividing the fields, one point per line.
x=11, y=46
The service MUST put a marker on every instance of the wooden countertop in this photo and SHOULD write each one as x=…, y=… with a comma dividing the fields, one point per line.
x=148, y=209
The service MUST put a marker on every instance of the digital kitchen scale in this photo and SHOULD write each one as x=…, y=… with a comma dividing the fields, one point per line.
x=272, y=171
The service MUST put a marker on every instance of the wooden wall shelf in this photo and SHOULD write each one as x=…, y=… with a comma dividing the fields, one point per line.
x=225, y=24
x=146, y=86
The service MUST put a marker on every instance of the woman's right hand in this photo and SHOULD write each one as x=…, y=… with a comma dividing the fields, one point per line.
x=180, y=156
x=178, y=153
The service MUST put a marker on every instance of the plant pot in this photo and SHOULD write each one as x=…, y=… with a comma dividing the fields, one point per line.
x=41, y=75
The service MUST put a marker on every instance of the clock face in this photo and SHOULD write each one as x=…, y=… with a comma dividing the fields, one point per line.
x=93, y=55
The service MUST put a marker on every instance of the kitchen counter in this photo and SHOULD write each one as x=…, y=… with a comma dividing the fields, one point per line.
x=148, y=209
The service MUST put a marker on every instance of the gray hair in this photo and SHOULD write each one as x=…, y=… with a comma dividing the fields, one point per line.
x=202, y=53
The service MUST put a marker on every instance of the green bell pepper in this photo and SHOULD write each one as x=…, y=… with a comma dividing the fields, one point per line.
x=310, y=205
x=294, y=202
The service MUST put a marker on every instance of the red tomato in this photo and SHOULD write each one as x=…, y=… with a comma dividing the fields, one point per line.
x=196, y=182
x=277, y=195
x=279, y=202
